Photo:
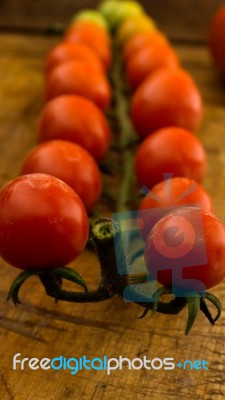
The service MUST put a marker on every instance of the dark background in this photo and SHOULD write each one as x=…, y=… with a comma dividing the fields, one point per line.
x=175, y=18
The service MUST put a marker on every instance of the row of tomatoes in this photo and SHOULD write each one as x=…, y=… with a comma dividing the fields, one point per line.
x=166, y=110
x=43, y=222
x=43, y=213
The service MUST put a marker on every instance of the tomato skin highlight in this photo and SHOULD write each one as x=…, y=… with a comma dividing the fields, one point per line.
x=66, y=51
x=173, y=151
x=75, y=119
x=166, y=98
x=70, y=163
x=43, y=223
x=79, y=78
x=149, y=59
x=213, y=271
x=216, y=39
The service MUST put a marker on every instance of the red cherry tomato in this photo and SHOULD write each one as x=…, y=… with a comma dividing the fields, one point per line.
x=76, y=119
x=43, y=223
x=217, y=39
x=167, y=98
x=93, y=36
x=141, y=40
x=173, y=151
x=147, y=60
x=169, y=194
x=208, y=269
x=175, y=192
x=80, y=78
x=66, y=51
x=70, y=163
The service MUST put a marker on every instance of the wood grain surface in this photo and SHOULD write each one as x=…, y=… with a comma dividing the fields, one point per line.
x=40, y=328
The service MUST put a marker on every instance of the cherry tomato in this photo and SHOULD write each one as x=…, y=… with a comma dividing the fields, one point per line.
x=208, y=270
x=43, y=223
x=66, y=51
x=168, y=194
x=177, y=191
x=147, y=60
x=173, y=151
x=76, y=119
x=134, y=25
x=90, y=15
x=70, y=163
x=81, y=78
x=116, y=11
x=217, y=38
x=93, y=36
x=166, y=98
x=141, y=40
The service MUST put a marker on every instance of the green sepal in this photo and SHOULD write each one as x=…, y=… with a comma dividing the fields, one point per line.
x=16, y=285
x=157, y=295
x=69, y=275
x=204, y=308
x=54, y=277
x=145, y=312
x=217, y=303
x=193, y=309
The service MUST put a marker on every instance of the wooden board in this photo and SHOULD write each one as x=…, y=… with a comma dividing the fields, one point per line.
x=40, y=328
x=186, y=19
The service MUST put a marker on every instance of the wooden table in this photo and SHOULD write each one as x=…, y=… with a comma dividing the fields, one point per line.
x=40, y=328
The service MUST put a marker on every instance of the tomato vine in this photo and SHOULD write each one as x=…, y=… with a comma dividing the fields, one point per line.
x=103, y=236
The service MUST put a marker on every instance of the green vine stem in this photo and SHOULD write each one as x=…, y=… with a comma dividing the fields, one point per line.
x=55, y=291
x=127, y=135
x=104, y=239
x=52, y=281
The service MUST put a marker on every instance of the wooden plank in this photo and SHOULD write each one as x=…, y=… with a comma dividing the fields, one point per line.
x=40, y=328
x=186, y=19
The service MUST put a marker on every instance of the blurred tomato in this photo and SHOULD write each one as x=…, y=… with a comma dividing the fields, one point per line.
x=134, y=25
x=217, y=38
x=70, y=163
x=167, y=98
x=147, y=60
x=142, y=39
x=66, y=51
x=93, y=36
x=173, y=151
x=116, y=11
x=76, y=119
x=79, y=78
x=90, y=15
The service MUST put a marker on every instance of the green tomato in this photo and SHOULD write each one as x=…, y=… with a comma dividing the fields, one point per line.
x=116, y=11
x=90, y=15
